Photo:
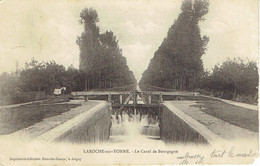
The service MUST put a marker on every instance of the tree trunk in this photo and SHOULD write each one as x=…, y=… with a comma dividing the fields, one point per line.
x=93, y=83
x=234, y=94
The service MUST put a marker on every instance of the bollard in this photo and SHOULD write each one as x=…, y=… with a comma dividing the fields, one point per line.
x=149, y=99
x=109, y=97
x=121, y=99
x=160, y=98
x=86, y=98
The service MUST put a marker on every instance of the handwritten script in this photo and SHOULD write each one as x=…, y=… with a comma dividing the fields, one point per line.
x=191, y=158
x=198, y=158
x=232, y=153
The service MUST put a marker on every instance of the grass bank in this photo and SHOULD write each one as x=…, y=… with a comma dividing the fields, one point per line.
x=242, y=117
x=17, y=118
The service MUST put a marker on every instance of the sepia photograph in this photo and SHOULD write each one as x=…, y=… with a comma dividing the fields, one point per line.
x=129, y=82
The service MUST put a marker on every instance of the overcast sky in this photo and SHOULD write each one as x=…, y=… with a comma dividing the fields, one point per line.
x=48, y=29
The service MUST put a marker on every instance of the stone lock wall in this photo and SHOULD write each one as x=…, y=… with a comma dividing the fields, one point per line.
x=174, y=130
x=93, y=129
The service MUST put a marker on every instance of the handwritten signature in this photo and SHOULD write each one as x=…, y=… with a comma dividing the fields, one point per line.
x=231, y=153
x=191, y=158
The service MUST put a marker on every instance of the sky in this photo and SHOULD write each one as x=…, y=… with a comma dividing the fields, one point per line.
x=48, y=29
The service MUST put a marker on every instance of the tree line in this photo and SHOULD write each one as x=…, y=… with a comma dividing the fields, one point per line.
x=38, y=80
x=42, y=76
x=100, y=56
x=177, y=63
x=101, y=66
x=233, y=79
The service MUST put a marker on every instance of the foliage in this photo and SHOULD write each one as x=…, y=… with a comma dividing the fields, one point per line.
x=177, y=63
x=9, y=84
x=233, y=77
x=42, y=76
x=101, y=66
x=100, y=56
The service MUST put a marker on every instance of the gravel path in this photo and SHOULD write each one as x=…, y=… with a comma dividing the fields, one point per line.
x=20, y=104
x=244, y=105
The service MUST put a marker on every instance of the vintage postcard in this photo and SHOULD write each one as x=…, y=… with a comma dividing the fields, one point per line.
x=129, y=82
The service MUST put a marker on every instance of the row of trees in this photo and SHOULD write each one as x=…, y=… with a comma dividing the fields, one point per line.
x=42, y=76
x=100, y=56
x=231, y=79
x=177, y=63
x=101, y=66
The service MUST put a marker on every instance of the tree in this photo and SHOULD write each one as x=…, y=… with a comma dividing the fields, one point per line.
x=233, y=77
x=177, y=63
x=42, y=76
x=9, y=84
x=32, y=77
x=74, y=80
x=100, y=56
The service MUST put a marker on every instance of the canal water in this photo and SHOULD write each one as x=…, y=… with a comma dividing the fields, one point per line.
x=139, y=129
